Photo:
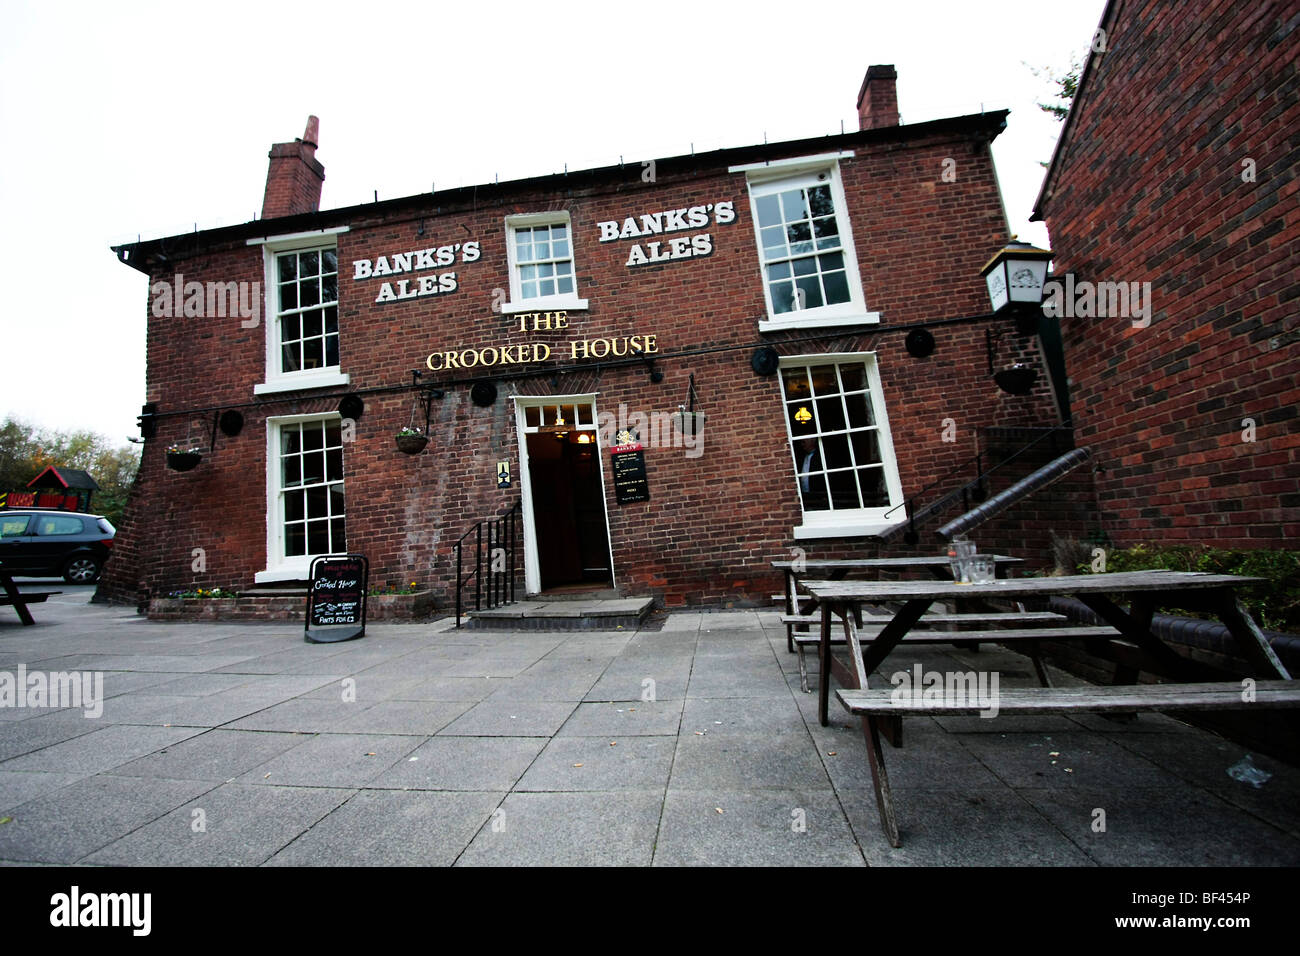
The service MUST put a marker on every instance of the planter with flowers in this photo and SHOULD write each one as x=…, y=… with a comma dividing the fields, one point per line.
x=410, y=441
x=183, y=457
x=406, y=603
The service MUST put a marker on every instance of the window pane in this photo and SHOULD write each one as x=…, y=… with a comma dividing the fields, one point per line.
x=866, y=448
x=830, y=416
x=332, y=319
x=336, y=501
x=853, y=377
x=859, y=410
x=288, y=267
x=334, y=464
x=803, y=267
x=329, y=289
x=289, y=358
x=837, y=288
x=318, y=537
x=312, y=436
x=782, y=297
x=810, y=293
x=812, y=491
x=795, y=382
x=293, y=507
x=874, y=492
x=295, y=540
x=313, y=353
x=793, y=205
x=844, y=490
x=291, y=439
x=313, y=467
x=340, y=541
x=835, y=448
x=309, y=264
x=769, y=210
x=532, y=416
x=824, y=381
x=289, y=296
x=564, y=285
x=317, y=503
x=332, y=350
x=330, y=261
x=313, y=323
x=778, y=270
x=292, y=471
x=819, y=198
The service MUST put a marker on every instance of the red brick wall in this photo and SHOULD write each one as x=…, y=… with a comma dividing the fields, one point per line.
x=1151, y=189
x=713, y=522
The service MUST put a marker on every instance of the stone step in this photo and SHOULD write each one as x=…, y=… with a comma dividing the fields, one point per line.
x=542, y=614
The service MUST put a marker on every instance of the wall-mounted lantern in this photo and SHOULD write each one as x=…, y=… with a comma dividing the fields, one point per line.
x=1015, y=277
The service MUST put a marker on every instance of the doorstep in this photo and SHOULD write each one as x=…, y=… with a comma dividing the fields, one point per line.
x=602, y=614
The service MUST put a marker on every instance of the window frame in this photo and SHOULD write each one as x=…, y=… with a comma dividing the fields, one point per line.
x=569, y=302
x=764, y=179
x=849, y=522
x=275, y=378
x=280, y=567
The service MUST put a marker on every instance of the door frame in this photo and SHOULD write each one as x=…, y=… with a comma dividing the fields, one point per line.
x=532, y=566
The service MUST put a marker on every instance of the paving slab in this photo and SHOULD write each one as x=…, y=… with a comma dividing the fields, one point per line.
x=80, y=818
x=755, y=828
x=463, y=763
x=217, y=755
x=568, y=829
x=108, y=747
x=601, y=763
x=231, y=825
x=393, y=828
x=333, y=760
x=616, y=719
x=506, y=718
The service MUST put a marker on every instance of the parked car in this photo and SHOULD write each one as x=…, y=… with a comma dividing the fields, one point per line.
x=37, y=543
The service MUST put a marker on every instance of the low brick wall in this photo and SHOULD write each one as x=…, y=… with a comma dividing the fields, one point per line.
x=382, y=607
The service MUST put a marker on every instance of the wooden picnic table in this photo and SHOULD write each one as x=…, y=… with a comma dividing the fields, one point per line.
x=1143, y=590
x=18, y=600
x=836, y=569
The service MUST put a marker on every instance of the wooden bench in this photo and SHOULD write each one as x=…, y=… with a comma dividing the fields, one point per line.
x=874, y=706
x=804, y=640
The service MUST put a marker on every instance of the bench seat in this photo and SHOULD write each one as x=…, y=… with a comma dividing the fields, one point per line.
x=36, y=598
x=1088, y=699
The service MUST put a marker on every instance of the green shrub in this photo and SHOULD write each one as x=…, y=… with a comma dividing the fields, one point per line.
x=1275, y=604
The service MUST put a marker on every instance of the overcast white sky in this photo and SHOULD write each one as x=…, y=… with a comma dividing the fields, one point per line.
x=125, y=119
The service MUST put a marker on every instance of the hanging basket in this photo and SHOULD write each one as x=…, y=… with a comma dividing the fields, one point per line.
x=1018, y=380
x=411, y=444
x=183, y=460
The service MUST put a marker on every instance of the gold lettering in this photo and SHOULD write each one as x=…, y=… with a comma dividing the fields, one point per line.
x=466, y=363
x=578, y=349
x=602, y=345
x=617, y=342
x=432, y=367
x=561, y=320
x=650, y=345
x=496, y=356
x=451, y=360
x=537, y=352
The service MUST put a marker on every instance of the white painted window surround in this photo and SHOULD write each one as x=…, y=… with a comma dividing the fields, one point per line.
x=804, y=241
x=543, y=263
x=281, y=566
x=276, y=378
x=850, y=486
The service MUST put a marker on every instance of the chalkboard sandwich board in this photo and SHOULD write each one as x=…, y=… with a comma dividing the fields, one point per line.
x=336, y=598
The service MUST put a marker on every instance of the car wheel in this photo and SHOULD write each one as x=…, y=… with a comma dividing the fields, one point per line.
x=82, y=569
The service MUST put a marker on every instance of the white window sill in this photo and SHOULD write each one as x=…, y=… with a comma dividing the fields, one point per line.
x=845, y=529
x=815, y=322
x=553, y=303
x=327, y=378
x=285, y=572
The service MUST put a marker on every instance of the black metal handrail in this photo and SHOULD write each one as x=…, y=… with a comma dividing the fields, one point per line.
x=501, y=566
x=976, y=489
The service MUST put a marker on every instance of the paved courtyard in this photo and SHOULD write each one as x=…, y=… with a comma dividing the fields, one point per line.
x=239, y=744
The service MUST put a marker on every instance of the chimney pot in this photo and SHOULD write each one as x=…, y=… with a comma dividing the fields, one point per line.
x=295, y=176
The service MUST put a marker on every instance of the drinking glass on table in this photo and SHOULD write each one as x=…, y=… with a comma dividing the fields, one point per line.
x=981, y=568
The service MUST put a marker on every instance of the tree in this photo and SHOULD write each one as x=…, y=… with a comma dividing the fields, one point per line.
x=25, y=451
x=1067, y=84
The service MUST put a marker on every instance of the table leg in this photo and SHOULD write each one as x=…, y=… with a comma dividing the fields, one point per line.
x=1137, y=629
x=1254, y=645
x=824, y=660
x=790, y=605
x=11, y=591
x=880, y=780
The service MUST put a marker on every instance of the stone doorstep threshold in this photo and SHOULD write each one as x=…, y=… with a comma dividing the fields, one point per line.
x=598, y=614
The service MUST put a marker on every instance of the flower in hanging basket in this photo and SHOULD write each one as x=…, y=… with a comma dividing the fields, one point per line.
x=410, y=441
x=183, y=457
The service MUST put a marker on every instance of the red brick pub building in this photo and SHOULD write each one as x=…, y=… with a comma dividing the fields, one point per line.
x=550, y=316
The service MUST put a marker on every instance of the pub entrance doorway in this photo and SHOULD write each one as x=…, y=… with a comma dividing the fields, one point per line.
x=566, y=535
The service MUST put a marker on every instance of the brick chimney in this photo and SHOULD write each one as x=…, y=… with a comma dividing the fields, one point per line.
x=294, y=178
x=878, y=98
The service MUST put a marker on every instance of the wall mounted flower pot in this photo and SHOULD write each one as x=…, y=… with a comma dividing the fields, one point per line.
x=411, y=444
x=1018, y=380
x=183, y=460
